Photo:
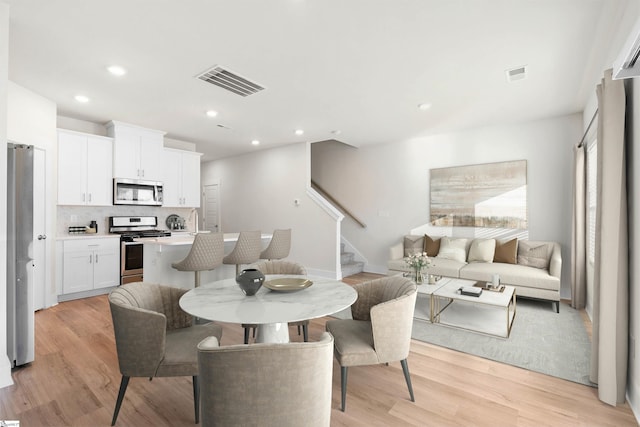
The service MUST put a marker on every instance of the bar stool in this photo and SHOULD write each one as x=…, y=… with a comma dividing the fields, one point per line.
x=279, y=267
x=246, y=251
x=206, y=254
x=279, y=246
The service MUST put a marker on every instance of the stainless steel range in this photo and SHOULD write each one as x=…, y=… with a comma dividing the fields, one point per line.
x=131, y=252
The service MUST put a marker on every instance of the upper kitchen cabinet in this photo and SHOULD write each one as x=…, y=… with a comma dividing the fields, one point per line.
x=84, y=169
x=181, y=181
x=137, y=151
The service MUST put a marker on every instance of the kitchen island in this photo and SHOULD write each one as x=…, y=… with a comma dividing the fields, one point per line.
x=160, y=252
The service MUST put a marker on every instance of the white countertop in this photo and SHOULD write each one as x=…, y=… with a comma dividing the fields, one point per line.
x=185, y=238
x=87, y=236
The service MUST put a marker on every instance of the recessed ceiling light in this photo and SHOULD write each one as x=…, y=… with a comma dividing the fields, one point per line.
x=299, y=132
x=255, y=142
x=424, y=106
x=117, y=70
x=212, y=113
x=82, y=98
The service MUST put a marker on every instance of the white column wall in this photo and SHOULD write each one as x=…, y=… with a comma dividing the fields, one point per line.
x=388, y=185
x=257, y=192
x=5, y=366
x=32, y=121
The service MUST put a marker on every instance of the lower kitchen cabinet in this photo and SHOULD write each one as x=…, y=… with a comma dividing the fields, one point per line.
x=90, y=264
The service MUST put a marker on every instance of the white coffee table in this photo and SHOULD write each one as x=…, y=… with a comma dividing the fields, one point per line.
x=425, y=301
x=490, y=313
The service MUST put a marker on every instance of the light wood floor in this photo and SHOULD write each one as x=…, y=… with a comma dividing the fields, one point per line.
x=74, y=381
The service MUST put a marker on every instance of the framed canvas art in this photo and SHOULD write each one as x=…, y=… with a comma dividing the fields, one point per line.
x=492, y=195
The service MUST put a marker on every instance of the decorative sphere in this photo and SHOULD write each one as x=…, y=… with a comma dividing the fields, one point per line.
x=250, y=280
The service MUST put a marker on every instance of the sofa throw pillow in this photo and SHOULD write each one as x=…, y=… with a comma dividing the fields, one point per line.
x=413, y=244
x=482, y=250
x=454, y=249
x=534, y=254
x=431, y=247
x=506, y=252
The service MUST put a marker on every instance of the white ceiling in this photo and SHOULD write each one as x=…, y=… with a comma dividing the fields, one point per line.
x=357, y=66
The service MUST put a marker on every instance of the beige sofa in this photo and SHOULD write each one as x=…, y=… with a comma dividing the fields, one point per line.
x=533, y=269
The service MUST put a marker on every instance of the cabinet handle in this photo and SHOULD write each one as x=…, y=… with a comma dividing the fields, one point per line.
x=143, y=173
x=90, y=259
x=96, y=258
x=83, y=197
x=89, y=196
x=42, y=237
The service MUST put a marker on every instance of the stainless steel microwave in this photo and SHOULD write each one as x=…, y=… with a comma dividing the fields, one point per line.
x=137, y=192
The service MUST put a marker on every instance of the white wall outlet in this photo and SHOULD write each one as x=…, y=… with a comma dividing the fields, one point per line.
x=73, y=218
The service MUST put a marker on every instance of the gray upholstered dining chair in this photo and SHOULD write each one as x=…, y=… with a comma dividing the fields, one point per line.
x=266, y=384
x=246, y=251
x=206, y=253
x=155, y=337
x=279, y=267
x=380, y=328
x=279, y=246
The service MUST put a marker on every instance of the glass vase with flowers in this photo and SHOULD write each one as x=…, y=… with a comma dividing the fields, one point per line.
x=417, y=262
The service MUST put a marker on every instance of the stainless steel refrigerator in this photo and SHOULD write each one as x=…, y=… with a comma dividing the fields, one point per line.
x=20, y=267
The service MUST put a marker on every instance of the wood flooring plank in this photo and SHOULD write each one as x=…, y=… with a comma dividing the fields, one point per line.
x=74, y=381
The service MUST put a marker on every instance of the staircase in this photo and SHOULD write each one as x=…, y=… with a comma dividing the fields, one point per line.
x=347, y=263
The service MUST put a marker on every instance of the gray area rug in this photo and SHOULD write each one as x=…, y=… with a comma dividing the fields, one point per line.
x=541, y=340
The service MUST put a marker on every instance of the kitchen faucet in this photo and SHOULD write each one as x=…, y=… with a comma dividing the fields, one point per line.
x=194, y=214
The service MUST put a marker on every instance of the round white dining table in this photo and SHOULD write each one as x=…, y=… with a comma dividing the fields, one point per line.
x=271, y=310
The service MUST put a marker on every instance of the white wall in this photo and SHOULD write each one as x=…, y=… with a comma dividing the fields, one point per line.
x=388, y=185
x=78, y=125
x=257, y=192
x=633, y=191
x=5, y=366
x=32, y=120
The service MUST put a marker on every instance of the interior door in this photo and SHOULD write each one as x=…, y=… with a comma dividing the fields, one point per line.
x=39, y=229
x=211, y=208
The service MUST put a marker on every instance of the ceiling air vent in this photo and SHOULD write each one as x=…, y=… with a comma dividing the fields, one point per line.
x=515, y=74
x=230, y=81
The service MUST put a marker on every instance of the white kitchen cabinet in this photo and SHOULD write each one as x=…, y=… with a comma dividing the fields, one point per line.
x=181, y=178
x=90, y=264
x=137, y=151
x=84, y=169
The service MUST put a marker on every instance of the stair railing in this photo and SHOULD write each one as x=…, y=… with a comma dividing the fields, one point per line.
x=337, y=204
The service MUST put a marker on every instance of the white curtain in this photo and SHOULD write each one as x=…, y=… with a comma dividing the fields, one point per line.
x=611, y=287
x=578, y=231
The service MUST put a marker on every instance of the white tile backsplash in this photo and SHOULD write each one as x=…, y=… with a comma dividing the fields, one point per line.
x=83, y=215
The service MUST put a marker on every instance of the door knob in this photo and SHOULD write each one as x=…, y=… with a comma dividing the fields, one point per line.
x=42, y=237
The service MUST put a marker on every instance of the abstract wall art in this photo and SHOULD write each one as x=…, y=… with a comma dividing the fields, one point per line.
x=492, y=195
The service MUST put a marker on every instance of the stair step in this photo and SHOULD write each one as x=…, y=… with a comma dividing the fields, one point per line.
x=352, y=268
x=346, y=257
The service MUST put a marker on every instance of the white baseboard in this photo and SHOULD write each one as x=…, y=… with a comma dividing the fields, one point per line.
x=633, y=409
x=377, y=269
x=325, y=273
